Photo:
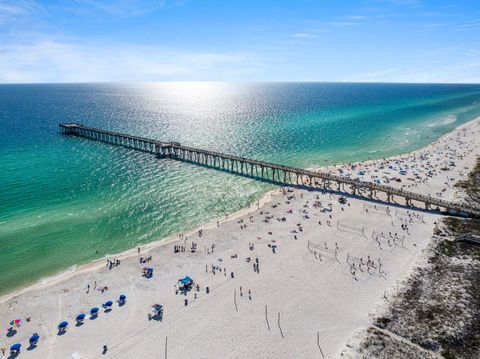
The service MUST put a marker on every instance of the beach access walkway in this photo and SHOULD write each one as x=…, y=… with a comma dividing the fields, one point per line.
x=271, y=172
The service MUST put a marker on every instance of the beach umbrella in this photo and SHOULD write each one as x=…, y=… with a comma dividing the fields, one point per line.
x=122, y=297
x=80, y=317
x=63, y=325
x=34, y=338
x=16, y=322
x=108, y=303
x=16, y=347
x=94, y=310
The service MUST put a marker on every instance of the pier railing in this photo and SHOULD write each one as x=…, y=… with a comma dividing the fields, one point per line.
x=266, y=170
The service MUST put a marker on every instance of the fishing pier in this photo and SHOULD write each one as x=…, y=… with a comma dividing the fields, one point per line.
x=271, y=172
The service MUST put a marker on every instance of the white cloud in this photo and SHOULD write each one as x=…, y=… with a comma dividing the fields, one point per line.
x=51, y=61
x=463, y=72
x=304, y=35
x=10, y=9
x=356, y=17
x=343, y=23
x=120, y=8
x=401, y=3
x=351, y=20
x=14, y=14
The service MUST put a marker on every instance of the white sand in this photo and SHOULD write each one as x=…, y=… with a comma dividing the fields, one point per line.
x=312, y=295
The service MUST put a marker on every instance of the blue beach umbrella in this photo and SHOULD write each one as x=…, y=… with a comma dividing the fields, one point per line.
x=80, y=317
x=63, y=325
x=34, y=338
x=108, y=304
x=94, y=310
x=122, y=297
x=15, y=347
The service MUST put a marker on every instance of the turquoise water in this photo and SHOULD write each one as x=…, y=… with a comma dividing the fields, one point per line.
x=65, y=201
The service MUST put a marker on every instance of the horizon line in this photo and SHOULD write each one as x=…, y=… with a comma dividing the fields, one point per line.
x=238, y=82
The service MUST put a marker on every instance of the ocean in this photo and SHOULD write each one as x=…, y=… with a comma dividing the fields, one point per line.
x=65, y=201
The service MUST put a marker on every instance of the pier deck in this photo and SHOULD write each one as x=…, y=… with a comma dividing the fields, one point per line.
x=268, y=171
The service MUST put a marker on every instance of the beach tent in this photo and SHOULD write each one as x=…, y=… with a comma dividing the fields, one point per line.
x=157, y=308
x=15, y=347
x=34, y=339
x=108, y=304
x=186, y=280
x=148, y=272
x=94, y=310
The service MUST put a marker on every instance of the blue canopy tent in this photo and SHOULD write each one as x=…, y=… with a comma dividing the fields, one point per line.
x=15, y=348
x=107, y=304
x=94, y=311
x=148, y=272
x=186, y=284
x=80, y=317
x=122, y=298
x=186, y=280
x=34, y=339
x=62, y=328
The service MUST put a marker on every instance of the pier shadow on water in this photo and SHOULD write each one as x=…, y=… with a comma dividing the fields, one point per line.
x=310, y=188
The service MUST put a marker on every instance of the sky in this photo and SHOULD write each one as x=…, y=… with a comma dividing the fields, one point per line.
x=239, y=40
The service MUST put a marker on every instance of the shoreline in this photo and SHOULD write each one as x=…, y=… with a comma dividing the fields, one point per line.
x=78, y=269
x=406, y=154
x=320, y=263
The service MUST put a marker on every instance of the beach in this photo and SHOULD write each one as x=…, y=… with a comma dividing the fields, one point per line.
x=67, y=202
x=294, y=276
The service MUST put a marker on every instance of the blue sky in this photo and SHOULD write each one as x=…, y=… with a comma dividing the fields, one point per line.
x=239, y=40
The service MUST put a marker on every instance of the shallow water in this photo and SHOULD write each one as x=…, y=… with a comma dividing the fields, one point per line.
x=65, y=201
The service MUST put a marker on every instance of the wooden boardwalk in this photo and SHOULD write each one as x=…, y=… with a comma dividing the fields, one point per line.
x=269, y=171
